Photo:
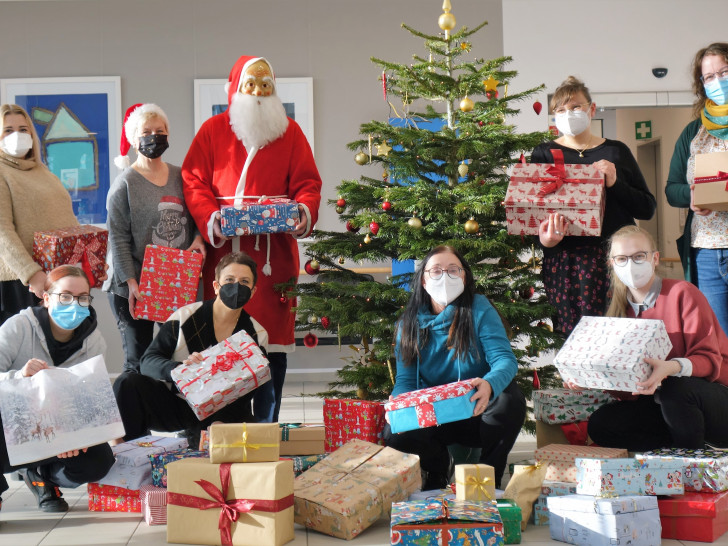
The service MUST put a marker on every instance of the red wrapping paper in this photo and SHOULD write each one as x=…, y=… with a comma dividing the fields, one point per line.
x=84, y=246
x=346, y=420
x=701, y=517
x=108, y=498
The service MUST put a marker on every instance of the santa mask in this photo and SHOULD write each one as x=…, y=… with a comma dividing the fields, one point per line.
x=17, y=144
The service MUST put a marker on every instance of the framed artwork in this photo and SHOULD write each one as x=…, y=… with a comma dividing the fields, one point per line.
x=295, y=93
x=78, y=121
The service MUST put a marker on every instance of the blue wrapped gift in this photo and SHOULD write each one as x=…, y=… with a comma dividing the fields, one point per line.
x=613, y=477
x=265, y=215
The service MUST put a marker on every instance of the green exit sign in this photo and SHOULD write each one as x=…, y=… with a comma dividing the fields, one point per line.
x=643, y=130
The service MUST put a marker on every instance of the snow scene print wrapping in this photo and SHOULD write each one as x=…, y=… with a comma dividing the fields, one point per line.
x=536, y=190
x=609, y=353
x=168, y=281
x=264, y=215
x=58, y=410
x=229, y=370
x=83, y=246
x=430, y=407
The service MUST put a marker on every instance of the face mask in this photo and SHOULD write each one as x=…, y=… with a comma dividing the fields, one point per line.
x=234, y=295
x=152, y=146
x=444, y=290
x=635, y=275
x=572, y=123
x=717, y=91
x=68, y=317
x=17, y=144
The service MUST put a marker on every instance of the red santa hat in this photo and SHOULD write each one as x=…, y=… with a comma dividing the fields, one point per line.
x=133, y=117
x=122, y=160
x=243, y=63
x=170, y=202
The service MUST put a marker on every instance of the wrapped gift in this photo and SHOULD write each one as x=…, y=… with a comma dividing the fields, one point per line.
x=154, y=504
x=474, y=482
x=244, y=442
x=609, y=352
x=558, y=406
x=524, y=487
x=567, y=433
x=537, y=190
x=594, y=521
x=263, y=215
x=346, y=419
x=229, y=370
x=299, y=439
x=616, y=477
x=84, y=246
x=703, y=469
x=510, y=514
x=445, y=523
x=541, y=511
x=108, y=498
x=561, y=459
x=353, y=487
x=160, y=462
x=550, y=488
x=430, y=407
x=168, y=281
x=711, y=181
x=204, y=440
x=301, y=463
x=701, y=517
x=242, y=504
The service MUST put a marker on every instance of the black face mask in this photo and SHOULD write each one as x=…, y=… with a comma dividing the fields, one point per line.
x=234, y=295
x=152, y=146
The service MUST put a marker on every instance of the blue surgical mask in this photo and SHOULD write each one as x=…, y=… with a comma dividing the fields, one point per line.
x=717, y=91
x=68, y=317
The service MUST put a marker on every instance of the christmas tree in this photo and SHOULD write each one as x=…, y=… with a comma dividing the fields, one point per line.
x=444, y=152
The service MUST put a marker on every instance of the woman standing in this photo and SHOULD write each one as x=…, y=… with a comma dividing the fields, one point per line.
x=704, y=244
x=146, y=206
x=574, y=268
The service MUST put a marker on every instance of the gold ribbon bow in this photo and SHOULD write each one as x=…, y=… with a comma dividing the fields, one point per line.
x=479, y=483
x=244, y=444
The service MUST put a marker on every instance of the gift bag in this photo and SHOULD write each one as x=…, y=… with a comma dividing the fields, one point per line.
x=524, y=487
x=58, y=410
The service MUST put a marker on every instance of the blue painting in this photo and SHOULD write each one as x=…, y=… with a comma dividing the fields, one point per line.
x=74, y=134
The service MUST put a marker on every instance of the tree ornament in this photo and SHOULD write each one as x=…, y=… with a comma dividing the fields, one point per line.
x=374, y=228
x=367, y=239
x=362, y=394
x=283, y=298
x=488, y=95
x=447, y=20
x=466, y=46
x=386, y=205
x=361, y=158
x=414, y=222
x=463, y=169
x=466, y=105
x=342, y=260
x=545, y=325
x=313, y=319
x=527, y=293
x=340, y=210
x=351, y=227
x=341, y=202
x=384, y=84
x=383, y=149
x=471, y=226
x=312, y=267
x=536, y=380
x=310, y=340
x=537, y=106
x=491, y=84
x=325, y=322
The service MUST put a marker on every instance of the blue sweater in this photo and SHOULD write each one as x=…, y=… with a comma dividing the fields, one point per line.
x=437, y=365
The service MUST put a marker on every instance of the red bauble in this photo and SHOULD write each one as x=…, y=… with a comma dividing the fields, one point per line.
x=481, y=123
x=351, y=227
x=284, y=298
x=325, y=322
x=488, y=95
x=537, y=106
x=527, y=293
x=386, y=205
x=374, y=228
x=536, y=380
x=310, y=340
x=341, y=202
x=311, y=267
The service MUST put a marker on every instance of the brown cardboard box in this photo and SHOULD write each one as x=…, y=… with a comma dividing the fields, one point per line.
x=251, y=481
x=711, y=195
x=244, y=442
x=353, y=487
x=302, y=439
x=549, y=434
x=474, y=482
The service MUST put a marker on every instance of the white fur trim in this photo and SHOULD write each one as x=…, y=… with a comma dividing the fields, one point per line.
x=309, y=227
x=122, y=162
x=211, y=231
x=267, y=269
x=135, y=118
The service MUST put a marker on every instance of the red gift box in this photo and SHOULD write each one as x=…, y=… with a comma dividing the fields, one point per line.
x=346, y=420
x=702, y=517
x=109, y=498
x=169, y=281
x=536, y=190
x=84, y=246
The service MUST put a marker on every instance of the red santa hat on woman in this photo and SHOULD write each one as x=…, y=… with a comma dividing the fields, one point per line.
x=243, y=63
x=134, y=116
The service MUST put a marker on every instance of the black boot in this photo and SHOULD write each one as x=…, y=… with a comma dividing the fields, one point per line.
x=47, y=494
x=438, y=480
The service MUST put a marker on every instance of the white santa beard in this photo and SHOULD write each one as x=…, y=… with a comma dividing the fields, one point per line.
x=257, y=121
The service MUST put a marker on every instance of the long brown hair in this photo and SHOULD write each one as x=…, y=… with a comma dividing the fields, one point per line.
x=9, y=109
x=721, y=50
x=618, y=304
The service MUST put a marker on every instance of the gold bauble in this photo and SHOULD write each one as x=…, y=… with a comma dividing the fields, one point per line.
x=362, y=394
x=361, y=158
x=414, y=222
x=447, y=21
x=463, y=169
x=466, y=105
x=367, y=239
x=340, y=210
x=471, y=226
x=314, y=263
x=313, y=319
x=342, y=260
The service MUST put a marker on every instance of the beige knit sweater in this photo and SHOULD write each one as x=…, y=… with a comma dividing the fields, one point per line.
x=31, y=199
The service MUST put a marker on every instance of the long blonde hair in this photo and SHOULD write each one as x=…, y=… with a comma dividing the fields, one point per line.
x=9, y=109
x=619, y=304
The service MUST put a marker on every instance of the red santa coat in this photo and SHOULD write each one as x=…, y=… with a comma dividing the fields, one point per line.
x=286, y=166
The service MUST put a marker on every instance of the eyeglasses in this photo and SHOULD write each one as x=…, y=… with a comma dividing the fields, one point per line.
x=84, y=300
x=637, y=258
x=436, y=272
x=710, y=78
x=574, y=108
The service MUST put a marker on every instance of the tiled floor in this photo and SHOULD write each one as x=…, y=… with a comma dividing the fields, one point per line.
x=22, y=524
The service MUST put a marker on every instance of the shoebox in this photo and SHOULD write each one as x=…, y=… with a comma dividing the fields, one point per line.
x=700, y=517
x=711, y=180
x=108, y=498
x=617, y=477
x=300, y=439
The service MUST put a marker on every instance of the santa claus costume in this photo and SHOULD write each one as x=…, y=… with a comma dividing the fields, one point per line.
x=217, y=166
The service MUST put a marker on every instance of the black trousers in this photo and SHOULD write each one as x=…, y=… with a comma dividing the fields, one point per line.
x=685, y=412
x=14, y=297
x=148, y=404
x=267, y=397
x=495, y=432
x=136, y=334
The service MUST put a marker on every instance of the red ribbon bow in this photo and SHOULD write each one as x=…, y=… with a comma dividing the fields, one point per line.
x=558, y=172
x=85, y=254
x=720, y=177
x=224, y=363
x=231, y=509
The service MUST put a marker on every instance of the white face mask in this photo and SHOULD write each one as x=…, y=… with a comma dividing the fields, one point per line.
x=17, y=144
x=572, y=123
x=635, y=275
x=444, y=290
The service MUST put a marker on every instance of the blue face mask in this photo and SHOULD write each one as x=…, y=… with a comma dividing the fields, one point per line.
x=717, y=91
x=68, y=317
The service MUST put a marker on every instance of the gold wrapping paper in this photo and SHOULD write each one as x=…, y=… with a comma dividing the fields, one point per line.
x=304, y=440
x=524, y=487
x=244, y=442
x=261, y=481
x=474, y=482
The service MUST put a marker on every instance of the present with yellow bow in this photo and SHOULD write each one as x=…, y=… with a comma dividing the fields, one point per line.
x=474, y=482
x=244, y=442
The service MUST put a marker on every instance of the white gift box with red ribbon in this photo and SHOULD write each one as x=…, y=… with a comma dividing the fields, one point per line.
x=229, y=370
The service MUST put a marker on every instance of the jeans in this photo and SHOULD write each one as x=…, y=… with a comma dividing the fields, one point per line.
x=711, y=265
x=267, y=397
x=136, y=334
